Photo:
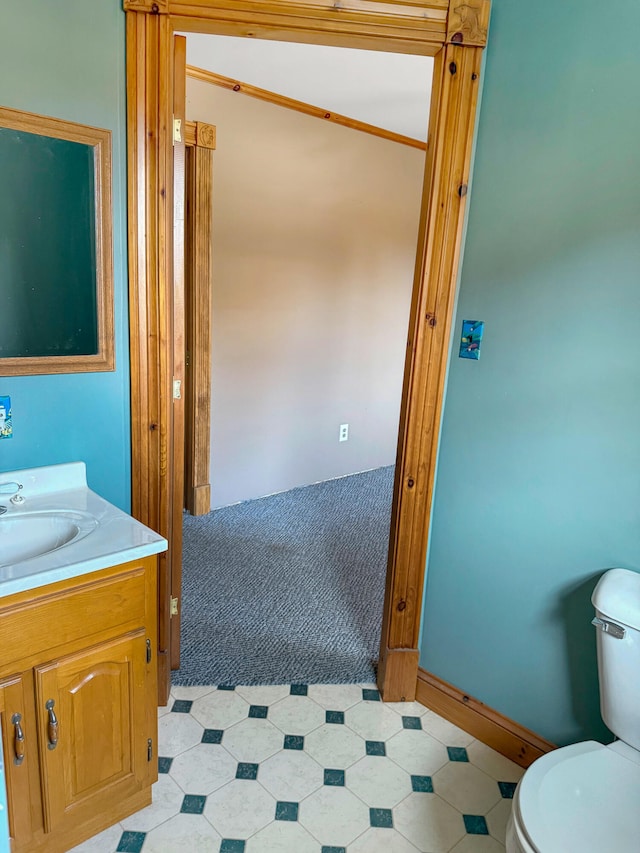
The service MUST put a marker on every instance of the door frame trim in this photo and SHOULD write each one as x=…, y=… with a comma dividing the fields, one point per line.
x=200, y=141
x=455, y=34
x=269, y=97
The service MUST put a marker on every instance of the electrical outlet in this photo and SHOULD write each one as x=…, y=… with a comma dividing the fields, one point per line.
x=344, y=432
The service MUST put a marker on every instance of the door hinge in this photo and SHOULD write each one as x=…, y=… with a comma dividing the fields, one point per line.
x=177, y=130
x=174, y=607
x=187, y=359
x=149, y=749
x=177, y=389
x=148, y=651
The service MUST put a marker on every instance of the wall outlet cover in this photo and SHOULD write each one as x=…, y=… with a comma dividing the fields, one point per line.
x=471, y=339
x=6, y=428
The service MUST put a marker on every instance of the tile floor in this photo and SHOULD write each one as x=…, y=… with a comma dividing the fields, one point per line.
x=315, y=769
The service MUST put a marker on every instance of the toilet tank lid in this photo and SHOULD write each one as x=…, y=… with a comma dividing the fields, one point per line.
x=617, y=596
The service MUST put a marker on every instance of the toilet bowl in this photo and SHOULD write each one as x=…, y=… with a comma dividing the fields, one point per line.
x=585, y=798
x=581, y=798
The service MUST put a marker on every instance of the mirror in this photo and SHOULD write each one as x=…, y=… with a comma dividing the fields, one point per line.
x=56, y=267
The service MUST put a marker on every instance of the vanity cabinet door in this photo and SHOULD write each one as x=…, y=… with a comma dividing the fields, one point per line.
x=93, y=725
x=20, y=750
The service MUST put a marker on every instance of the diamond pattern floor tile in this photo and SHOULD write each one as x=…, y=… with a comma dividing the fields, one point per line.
x=203, y=769
x=291, y=774
x=253, y=740
x=407, y=708
x=444, y=731
x=282, y=837
x=335, y=746
x=336, y=697
x=220, y=709
x=190, y=693
x=432, y=825
x=177, y=733
x=184, y=832
x=261, y=770
x=497, y=820
x=263, y=695
x=417, y=752
x=382, y=841
x=478, y=844
x=379, y=782
x=334, y=815
x=130, y=842
x=240, y=809
x=494, y=764
x=167, y=802
x=466, y=788
x=297, y=715
x=373, y=721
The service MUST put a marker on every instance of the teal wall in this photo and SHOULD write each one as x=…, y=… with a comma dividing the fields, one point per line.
x=66, y=59
x=538, y=486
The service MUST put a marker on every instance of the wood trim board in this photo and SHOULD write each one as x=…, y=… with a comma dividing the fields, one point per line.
x=300, y=106
x=451, y=129
x=504, y=735
x=199, y=133
x=178, y=338
x=412, y=27
x=198, y=287
x=409, y=26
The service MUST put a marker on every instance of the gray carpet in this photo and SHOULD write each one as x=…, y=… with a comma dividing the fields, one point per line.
x=287, y=589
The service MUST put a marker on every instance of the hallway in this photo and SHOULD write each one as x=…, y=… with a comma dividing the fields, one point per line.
x=287, y=588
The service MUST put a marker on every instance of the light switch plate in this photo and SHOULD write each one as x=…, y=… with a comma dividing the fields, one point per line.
x=6, y=428
x=471, y=339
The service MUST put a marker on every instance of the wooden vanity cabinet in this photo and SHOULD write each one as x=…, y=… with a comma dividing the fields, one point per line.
x=78, y=699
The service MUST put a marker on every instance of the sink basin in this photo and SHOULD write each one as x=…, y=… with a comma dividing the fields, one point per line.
x=55, y=528
x=24, y=535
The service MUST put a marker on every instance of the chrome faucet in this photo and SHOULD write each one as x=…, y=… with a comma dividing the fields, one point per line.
x=11, y=488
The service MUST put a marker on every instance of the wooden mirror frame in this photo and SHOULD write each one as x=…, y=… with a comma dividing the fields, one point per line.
x=100, y=141
x=454, y=33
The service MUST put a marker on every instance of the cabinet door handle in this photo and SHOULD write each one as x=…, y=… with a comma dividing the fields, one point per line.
x=18, y=739
x=53, y=725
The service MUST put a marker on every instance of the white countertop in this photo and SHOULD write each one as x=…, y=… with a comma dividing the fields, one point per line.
x=114, y=538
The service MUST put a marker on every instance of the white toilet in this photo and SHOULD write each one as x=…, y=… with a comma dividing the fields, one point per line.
x=585, y=798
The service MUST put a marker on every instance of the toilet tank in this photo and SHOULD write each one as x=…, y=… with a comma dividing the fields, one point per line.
x=616, y=599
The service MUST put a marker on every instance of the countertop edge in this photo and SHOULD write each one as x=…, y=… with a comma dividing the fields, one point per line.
x=85, y=567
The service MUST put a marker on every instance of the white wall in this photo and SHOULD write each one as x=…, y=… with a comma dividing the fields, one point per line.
x=315, y=230
x=390, y=90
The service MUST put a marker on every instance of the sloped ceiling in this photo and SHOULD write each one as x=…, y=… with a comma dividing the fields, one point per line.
x=389, y=90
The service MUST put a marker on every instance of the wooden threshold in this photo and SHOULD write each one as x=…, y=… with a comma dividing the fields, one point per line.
x=499, y=732
x=300, y=106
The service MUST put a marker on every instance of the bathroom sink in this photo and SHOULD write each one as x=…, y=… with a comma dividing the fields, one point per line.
x=24, y=535
x=54, y=528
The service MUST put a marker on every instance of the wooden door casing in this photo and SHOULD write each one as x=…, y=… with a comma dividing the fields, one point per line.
x=201, y=141
x=456, y=35
x=178, y=355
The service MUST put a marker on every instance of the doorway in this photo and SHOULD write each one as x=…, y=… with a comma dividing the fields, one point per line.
x=455, y=37
x=315, y=229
